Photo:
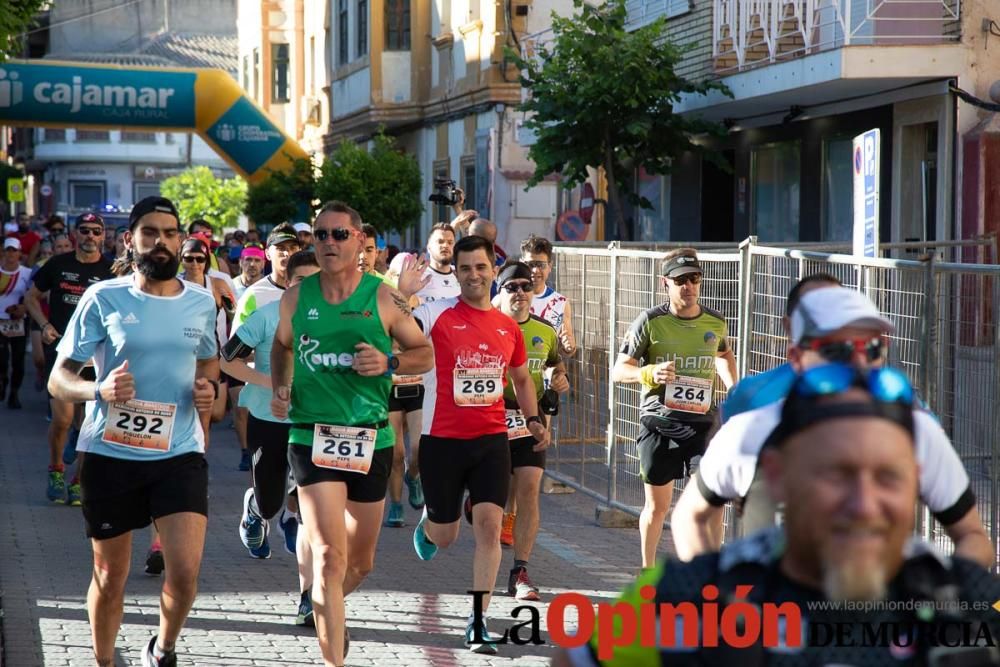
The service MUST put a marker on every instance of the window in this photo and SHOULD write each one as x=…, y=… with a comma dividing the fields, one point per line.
x=246, y=73
x=54, y=135
x=132, y=137
x=838, y=185
x=775, y=173
x=93, y=135
x=442, y=213
x=279, y=73
x=469, y=182
x=342, y=55
x=312, y=65
x=86, y=195
x=362, y=28
x=397, y=25
x=142, y=190
x=256, y=74
x=652, y=224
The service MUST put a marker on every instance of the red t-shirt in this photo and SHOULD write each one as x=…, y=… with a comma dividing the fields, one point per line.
x=472, y=351
x=28, y=240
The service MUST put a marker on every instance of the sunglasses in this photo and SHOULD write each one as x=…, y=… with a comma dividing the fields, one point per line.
x=887, y=385
x=513, y=288
x=694, y=279
x=57, y=230
x=89, y=231
x=198, y=259
x=538, y=264
x=338, y=234
x=845, y=351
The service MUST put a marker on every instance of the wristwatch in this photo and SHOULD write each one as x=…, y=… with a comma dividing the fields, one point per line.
x=392, y=365
x=535, y=419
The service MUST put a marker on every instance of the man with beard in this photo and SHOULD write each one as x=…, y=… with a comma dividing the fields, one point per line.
x=153, y=339
x=252, y=260
x=336, y=330
x=844, y=460
x=65, y=278
x=29, y=239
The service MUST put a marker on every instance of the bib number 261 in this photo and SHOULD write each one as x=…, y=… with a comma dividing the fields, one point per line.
x=347, y=448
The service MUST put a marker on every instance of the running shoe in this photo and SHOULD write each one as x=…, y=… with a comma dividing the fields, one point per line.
x=305, y=616
x=263, y=552
x=519, y=586
x=73, y=494
x=395, y=517
x=150, y=660
x=467, y=509
x=484, y=643
x=154, y=561
x=69, y=451
x=252, y=527
x=416, y=492
x=507, y=530
x=56, y=491
x=245, y=460
x=288, y=526
x=425, y=548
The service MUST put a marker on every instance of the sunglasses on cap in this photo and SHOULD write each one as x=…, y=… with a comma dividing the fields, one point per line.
x=338, y=234
x=886, y=385
x=513, y=288
x=873, y=348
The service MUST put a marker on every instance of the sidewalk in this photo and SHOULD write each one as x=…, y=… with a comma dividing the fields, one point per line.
x=407, y=613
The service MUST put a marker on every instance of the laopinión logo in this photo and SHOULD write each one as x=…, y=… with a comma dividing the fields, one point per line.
x=738, y=624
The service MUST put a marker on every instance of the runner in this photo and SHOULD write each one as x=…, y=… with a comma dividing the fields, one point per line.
x=337, y=328
x=464, y=435
x=527, y=465
x=684, y=346
x=548, y=304
x=64, y=278
x=14, y=282
x=153, y=338
x=269, y=436
x=252, y=260
x=826, y=323
x=369, y=255
x=406, y=400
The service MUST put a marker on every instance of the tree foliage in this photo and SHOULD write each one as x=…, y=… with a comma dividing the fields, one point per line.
x=197, y=193
x=282, y=196
x=603, y=96
x=383, y=185
x=16, y=17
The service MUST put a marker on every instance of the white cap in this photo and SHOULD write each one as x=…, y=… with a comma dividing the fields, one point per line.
x=820, y=312
x=396, y=265
x=11, y=228
x=11, y=242
x=303, y=227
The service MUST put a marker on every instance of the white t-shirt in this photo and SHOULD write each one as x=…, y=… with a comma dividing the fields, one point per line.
x=729, y=464
x=550, y=305
x=13, y=286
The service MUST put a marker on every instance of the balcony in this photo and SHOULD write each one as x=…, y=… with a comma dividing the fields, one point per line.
x=754, y=33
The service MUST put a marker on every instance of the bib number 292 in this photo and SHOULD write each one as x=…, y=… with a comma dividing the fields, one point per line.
x=140, y=424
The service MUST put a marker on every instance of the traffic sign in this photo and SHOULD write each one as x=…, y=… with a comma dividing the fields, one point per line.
x=45, y=190
x=15, y=190
x=867, y=151
x=571, y=227
x=587, y=203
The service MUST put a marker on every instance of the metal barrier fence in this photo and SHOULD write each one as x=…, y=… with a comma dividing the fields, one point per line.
x=947, y=340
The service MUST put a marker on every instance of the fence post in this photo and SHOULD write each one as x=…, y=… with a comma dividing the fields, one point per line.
x=612, y=454
x=926, y=380
x=994, y=453
x=746, y=282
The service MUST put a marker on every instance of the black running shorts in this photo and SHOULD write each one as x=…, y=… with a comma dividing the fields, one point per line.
x=449, y=466
x=368, y=488
x=406, y=398
x=120, y=495
x=664, y=458
x=523, y=454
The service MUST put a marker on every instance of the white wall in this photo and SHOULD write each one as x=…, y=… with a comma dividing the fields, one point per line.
x=396, y=76
x=351, y=93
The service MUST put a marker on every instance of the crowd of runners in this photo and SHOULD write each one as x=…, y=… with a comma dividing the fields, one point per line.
x=354, y=377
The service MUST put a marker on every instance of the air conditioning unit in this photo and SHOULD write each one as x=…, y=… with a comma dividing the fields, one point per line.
x=312, y=111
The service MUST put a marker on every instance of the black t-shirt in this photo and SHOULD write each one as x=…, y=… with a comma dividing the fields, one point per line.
x=66, y=278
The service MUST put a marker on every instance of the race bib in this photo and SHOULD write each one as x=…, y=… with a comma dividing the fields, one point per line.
x=407, y=379
x=12, y=328
x=348, y=448
x=517, y=425
x=477, y=386
x=689, y=394
x=140, y=424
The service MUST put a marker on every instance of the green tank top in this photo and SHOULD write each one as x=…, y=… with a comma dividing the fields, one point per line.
x=325, y=389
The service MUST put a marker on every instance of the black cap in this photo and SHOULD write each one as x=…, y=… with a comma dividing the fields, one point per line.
x=88, y=218
x=279, y=236
x=800, y=412
x=513, y=271
x=681, y=265
x=152, y=204
x=195, y=244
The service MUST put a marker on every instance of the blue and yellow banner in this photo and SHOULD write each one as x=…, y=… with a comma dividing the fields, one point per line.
x=206, y=101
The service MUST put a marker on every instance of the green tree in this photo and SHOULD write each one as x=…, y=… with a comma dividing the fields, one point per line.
x=282, y=196
x=16, y=17
x=603, y=96
x=197, y=193
x=382, y=185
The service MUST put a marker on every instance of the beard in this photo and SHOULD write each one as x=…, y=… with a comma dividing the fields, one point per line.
x=159, y=267
x=854, y=579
